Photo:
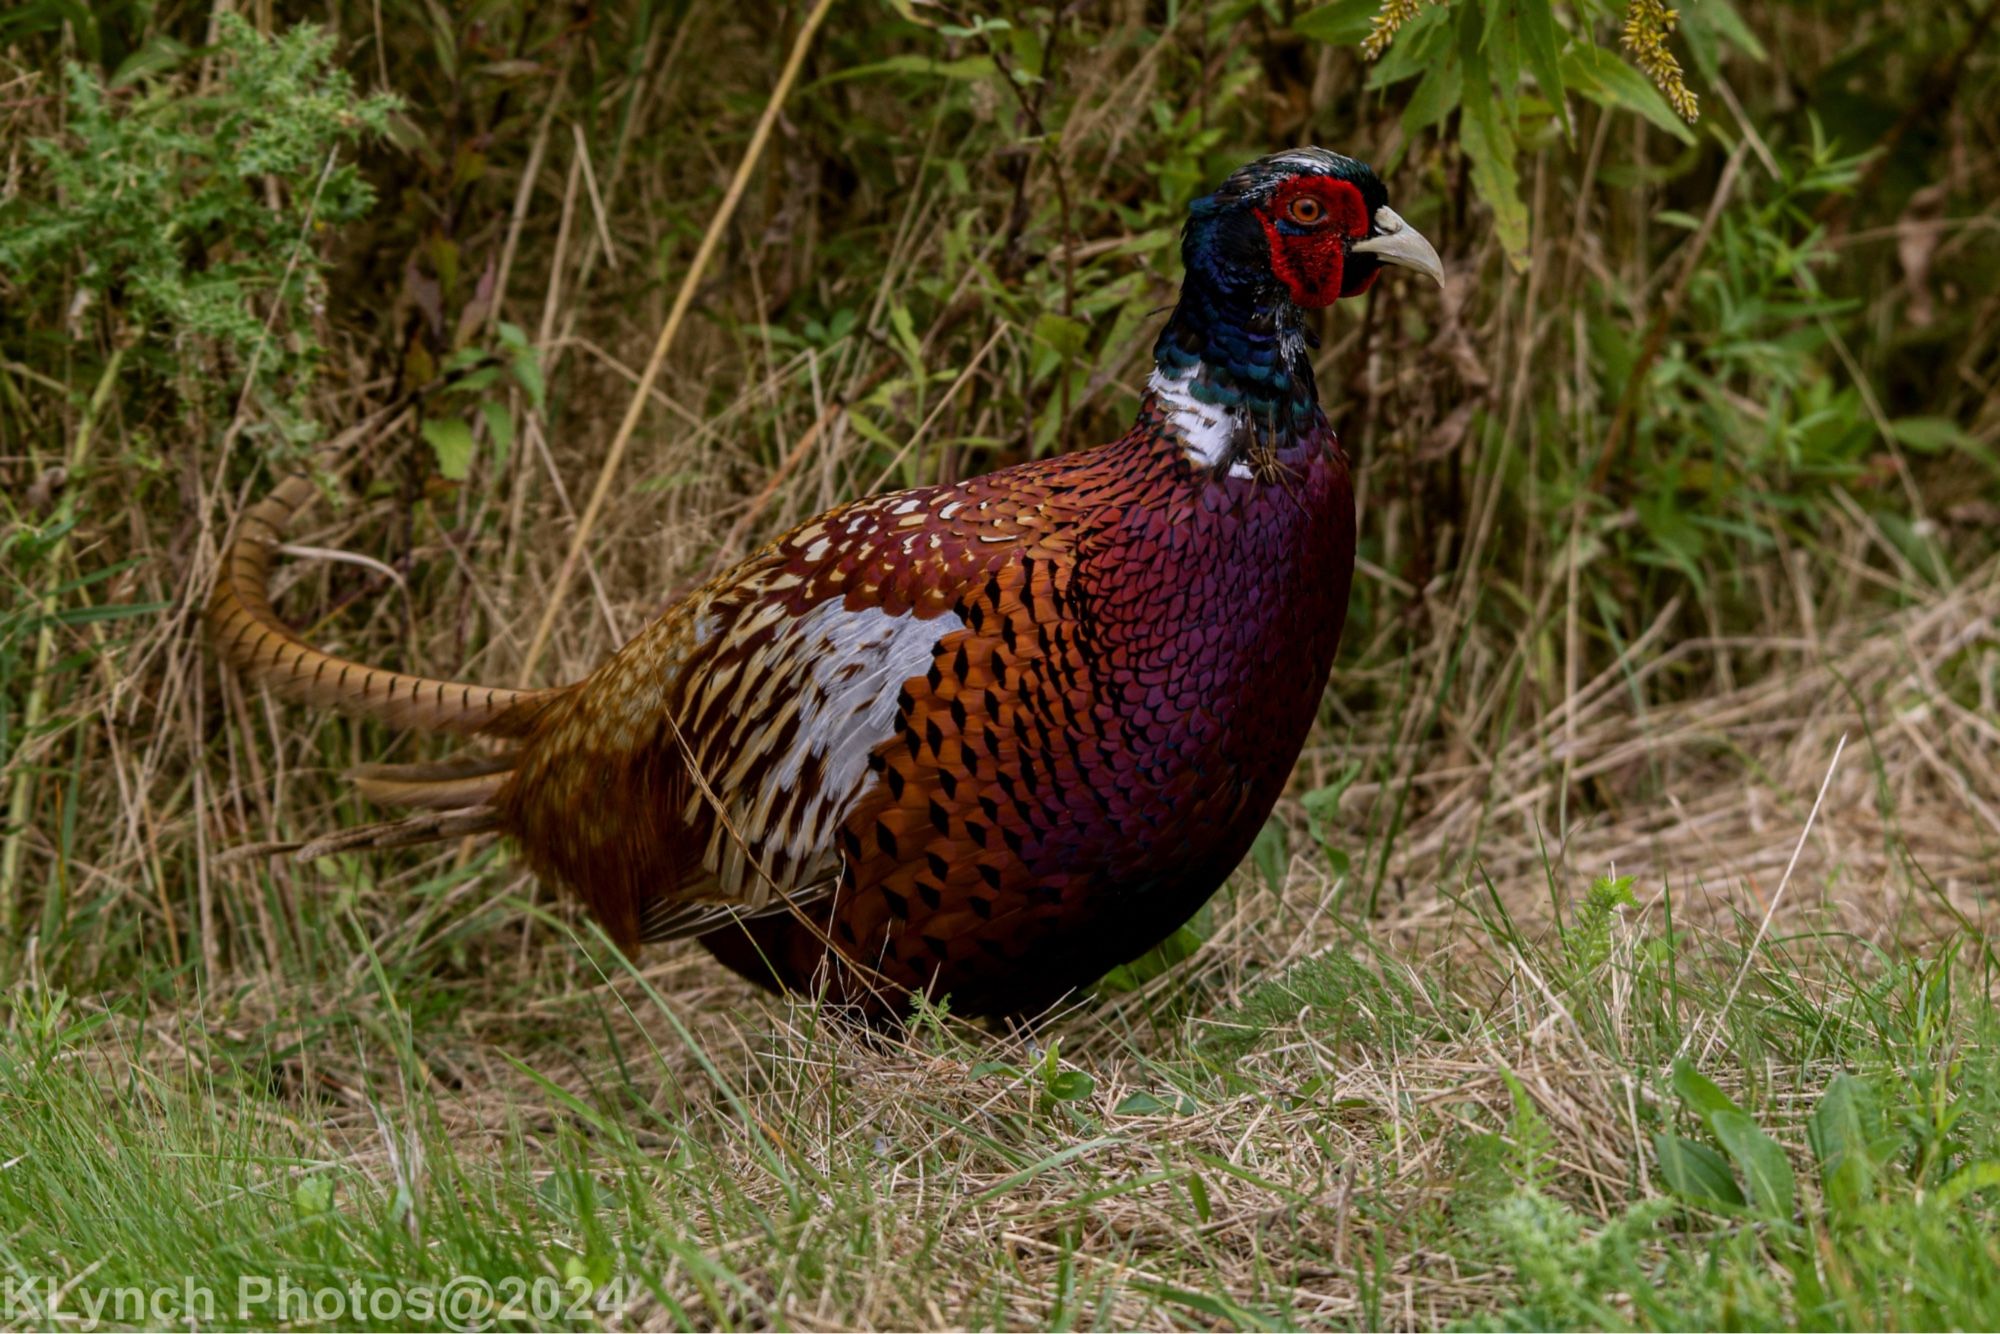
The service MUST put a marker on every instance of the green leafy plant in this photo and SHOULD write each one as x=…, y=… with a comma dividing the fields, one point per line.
x=1054, y=1088
x=1587, y=940
x=1332, y=996
x=1569, y=1275
x=188, y=223
x=1852, y=1143
x=1476, y=58
x=1694, y=1171
x=177, y=231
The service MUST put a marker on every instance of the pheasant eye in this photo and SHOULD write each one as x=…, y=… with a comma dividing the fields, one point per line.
x=1307, y=210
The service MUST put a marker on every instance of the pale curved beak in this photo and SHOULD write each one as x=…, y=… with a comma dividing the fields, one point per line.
x=1397, y=242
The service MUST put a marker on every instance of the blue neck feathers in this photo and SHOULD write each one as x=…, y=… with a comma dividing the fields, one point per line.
x=1235, y=341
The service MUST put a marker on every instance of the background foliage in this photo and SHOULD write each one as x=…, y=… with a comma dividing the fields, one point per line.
x=1686, y=474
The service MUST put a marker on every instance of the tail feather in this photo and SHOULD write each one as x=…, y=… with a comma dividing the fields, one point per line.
x=251, y=636
x=430, y=827
x=453, y=785
x=409, y=831
x=451, y=799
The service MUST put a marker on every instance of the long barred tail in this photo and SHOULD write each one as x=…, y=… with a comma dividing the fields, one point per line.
x=264, y=649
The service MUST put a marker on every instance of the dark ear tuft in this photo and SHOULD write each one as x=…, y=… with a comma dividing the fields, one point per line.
x=1207, y=206
x=1226, y=244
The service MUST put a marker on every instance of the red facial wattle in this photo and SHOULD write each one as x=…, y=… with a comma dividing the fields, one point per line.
x=1309, y=222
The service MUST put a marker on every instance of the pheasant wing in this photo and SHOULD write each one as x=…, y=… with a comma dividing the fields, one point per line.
x=702, y=773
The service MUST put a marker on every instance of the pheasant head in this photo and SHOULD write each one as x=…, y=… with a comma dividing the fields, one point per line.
x=1288, y=233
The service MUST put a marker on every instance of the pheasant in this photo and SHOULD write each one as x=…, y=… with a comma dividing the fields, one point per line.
x=985, y=740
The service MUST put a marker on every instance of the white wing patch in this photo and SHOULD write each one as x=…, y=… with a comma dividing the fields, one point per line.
x=829, y=684
x=859, y=662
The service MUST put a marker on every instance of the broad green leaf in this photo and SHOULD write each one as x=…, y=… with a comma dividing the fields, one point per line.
x=1847, y=1183
x=1143, y=1104
x=1325, y=801
x=528, y=374
x=1436, y=96
x=526, y=365
x=158, y=56
x=1699, y=1095
x=1840, y=1122
x=1175, y=949
x=1064, y=335
x=595, y=1270
x=1695, y=1172
x=1761, y=1161
x=1704, y=48
x=1070, y=1085
x=499, y=428
x=987, y=1069
x=980, y=25
x=906, y=333
x=1931, y=435
x=312, y=1197
x=1322, y=807
x=1980, y=1176
x=1198, y=1193
x=1723, y=16
x=1342, y=23
x=870, y=432
x=1841, y=1130
x=1489, y=144
x=1608, y=81
x=451, y=440
x=1502, y=44
x=1028, y=50
x=1270, y=854
x=483, y=378
x=1541, y=45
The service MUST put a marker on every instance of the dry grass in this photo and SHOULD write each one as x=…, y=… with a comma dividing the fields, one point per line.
x=1711, y=791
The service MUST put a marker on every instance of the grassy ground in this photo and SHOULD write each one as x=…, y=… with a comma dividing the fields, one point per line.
x=1632, y=1119
x=1622, y=956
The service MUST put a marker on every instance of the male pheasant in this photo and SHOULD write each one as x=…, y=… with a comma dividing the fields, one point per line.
x=986, y=740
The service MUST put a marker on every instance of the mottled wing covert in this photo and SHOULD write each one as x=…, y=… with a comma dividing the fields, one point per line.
x=700, y=776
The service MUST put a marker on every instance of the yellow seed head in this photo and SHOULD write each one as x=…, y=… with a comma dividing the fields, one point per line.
x=1387, y=23
x=1647, y=26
